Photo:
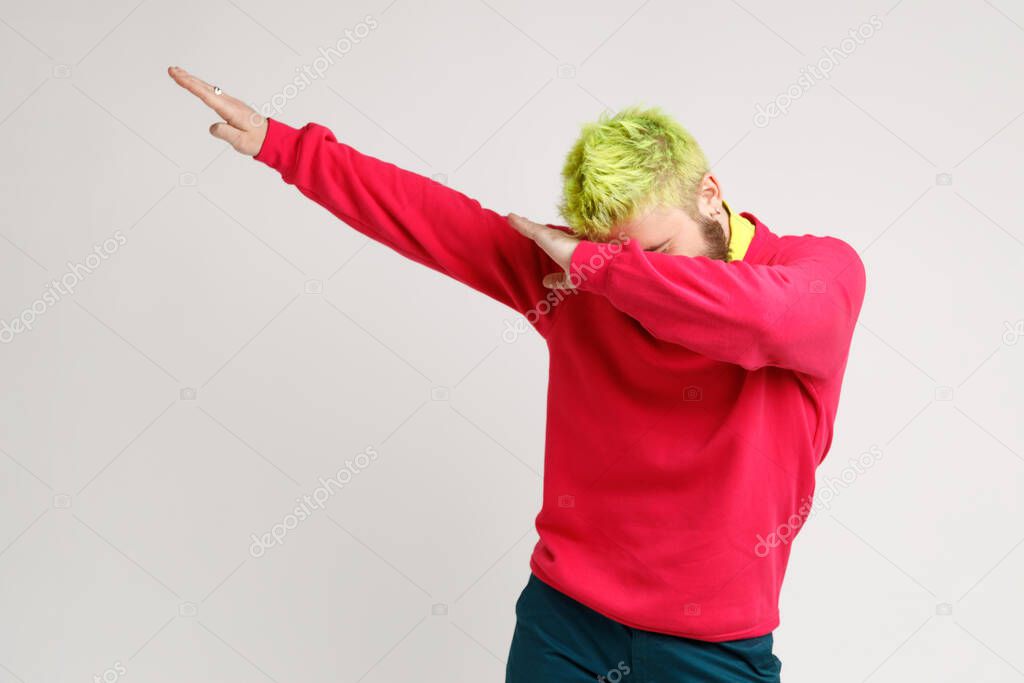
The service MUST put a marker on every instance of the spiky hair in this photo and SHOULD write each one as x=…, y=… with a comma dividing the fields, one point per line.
x=626, y=163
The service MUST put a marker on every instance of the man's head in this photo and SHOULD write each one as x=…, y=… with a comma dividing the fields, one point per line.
x=642, y=175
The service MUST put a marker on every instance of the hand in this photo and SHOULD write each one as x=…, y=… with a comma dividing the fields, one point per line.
x=243, y=127
x=557, y=244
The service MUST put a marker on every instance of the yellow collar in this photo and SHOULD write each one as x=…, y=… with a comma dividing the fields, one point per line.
x=741, y=233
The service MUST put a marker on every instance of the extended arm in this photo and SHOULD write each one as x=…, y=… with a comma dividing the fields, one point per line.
x=417, y=217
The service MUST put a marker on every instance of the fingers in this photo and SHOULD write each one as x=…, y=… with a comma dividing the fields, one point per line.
x=525, y=227
x=232, y=110
x=558, y=281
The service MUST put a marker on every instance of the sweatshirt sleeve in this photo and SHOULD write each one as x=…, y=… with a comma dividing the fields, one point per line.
x=797, y=314
x=413, y=215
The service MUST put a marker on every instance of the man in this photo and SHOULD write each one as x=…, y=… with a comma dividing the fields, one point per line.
x=695, y=373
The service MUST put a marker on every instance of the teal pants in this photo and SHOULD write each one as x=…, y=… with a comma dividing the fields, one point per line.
x=559, y=640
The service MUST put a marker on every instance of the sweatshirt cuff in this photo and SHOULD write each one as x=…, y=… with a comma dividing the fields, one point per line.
x=590, y=266
x=279, y=146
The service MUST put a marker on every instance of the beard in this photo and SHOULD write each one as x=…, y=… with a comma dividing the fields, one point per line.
x=716, y=246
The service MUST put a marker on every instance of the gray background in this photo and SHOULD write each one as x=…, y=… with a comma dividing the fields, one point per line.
x=128, y=505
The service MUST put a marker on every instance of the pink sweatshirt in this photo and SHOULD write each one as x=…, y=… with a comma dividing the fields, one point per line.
x=689, y=400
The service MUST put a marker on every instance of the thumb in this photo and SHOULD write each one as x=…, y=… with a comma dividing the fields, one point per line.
x=227, y=133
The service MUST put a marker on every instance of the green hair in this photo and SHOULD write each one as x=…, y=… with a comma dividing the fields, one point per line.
x=626, y=163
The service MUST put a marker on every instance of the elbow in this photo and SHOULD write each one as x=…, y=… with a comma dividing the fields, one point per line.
x=764, y=342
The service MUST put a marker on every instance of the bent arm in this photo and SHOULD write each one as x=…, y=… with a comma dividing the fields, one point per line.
x=797, y=315
x=416, y=216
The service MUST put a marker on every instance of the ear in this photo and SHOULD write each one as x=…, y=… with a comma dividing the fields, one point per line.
x=709, y=196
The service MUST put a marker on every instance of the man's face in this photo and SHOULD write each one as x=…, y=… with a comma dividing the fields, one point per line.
x=671, y=230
